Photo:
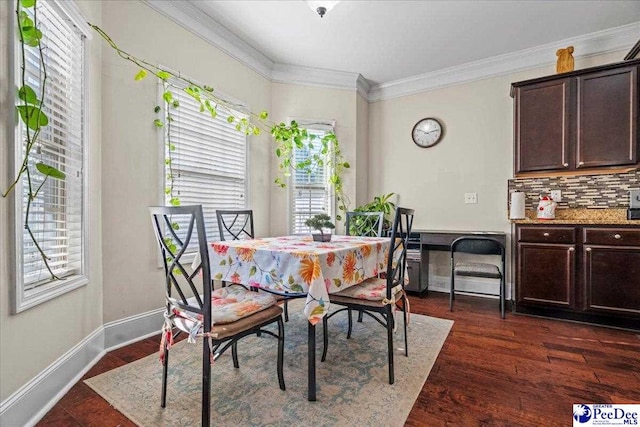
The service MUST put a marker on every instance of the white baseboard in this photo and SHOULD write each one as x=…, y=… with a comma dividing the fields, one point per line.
x=33, y=400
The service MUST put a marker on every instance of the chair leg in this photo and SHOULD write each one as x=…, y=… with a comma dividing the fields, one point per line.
x=281, y=353
x=406, y=338
x=206, y=383
x=325, y=338
x=390, y=344
x=360, y=316
x=286, y=310
x=452, y=292
x=502, y=297
x=234, y=354
x=165, y=368
x=350, y=323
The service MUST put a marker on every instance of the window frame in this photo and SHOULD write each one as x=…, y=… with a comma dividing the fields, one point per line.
x=21, y=298
x=322, y=125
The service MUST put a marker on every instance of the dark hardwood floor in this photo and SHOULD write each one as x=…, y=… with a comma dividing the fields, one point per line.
x=521, y=371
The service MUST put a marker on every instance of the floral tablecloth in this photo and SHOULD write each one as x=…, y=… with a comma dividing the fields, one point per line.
x=299, y=264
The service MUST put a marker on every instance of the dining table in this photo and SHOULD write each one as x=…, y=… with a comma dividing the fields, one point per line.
x=298, y=264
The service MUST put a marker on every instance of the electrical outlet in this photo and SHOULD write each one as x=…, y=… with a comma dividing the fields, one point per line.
x=556, y=195
x=470, y=198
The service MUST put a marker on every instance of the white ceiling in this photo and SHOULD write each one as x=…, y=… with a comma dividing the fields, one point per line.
x=391, y=40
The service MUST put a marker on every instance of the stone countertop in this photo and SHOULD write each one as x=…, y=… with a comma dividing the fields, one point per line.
x=606, y=216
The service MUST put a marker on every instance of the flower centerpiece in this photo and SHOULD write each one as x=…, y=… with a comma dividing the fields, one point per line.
x=320, y=222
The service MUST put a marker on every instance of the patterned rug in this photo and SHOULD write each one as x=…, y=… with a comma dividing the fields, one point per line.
x=353, y=387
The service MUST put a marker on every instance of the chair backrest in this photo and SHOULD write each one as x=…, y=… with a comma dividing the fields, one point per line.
x=396, y=263
x=235, y=224
x=364, y=223
x=477, y=245
x=175, y=241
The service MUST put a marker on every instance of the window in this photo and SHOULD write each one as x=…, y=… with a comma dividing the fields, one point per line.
x=311, y=193
x=57, y=214
x=209, y=162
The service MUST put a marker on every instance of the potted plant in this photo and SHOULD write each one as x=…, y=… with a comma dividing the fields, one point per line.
x=382, y=204
x=320, y=222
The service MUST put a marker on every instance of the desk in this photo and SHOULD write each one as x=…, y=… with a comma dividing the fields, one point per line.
x=298, y=264
x=423, y=241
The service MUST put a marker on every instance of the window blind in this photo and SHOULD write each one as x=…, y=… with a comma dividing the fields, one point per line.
x=209, y=163
x=56, y=216
x=311, y=192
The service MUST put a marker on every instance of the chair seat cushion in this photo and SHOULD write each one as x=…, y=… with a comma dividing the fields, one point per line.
x=228, y=304
x=477, y=270
x=374, y=289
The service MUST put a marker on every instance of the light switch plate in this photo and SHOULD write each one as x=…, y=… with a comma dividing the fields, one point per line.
x=556, y=195
x=634, y=199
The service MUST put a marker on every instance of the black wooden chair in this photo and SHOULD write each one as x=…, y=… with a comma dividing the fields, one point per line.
x=180, y=230
x=481, y=246
x=235, y=224
x=382, y=295
x=364, y=223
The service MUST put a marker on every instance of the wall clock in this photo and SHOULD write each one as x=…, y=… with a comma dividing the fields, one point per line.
x=427, y=132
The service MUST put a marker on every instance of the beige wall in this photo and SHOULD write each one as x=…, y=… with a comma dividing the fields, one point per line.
x=295, y=101
x=30, y=341
x=361, y=161
x=131, y=157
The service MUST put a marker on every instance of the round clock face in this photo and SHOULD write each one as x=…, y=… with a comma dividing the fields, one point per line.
x=427, y=132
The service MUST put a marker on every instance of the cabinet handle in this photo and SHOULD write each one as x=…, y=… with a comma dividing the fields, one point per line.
x=573, y=249
x=566, y=165
x=546, y=234
x=588, y=249
x=617, y=236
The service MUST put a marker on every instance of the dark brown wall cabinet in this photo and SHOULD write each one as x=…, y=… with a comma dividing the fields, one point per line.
x=581, y=120
x=583, y=270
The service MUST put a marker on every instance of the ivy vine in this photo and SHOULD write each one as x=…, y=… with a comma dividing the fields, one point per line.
x=30, y=106
x=287, y=137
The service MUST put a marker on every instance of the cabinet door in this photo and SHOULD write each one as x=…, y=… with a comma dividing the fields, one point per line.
x=607, y=118
x=542, y=126
x=546, y=275
x=612, y=279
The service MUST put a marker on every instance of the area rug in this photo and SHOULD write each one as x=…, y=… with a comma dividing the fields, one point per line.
x=353, y=387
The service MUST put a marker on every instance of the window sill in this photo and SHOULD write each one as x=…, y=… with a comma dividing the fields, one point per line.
x=48, y=292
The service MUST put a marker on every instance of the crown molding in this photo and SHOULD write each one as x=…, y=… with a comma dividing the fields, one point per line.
x=309, y=76
x=189, y=16
x=185, y=14
x=601, y=42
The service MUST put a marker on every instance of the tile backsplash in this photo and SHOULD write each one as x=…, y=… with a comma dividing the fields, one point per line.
x=587, y=191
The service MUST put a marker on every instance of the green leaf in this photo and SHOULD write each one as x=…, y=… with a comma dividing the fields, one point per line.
x=256, y=131
x=218, y=276
x=223, y=262
x=141, y=75
x=176, y=104
x=231, y=119
x=175, y=225
x=163, y=75
x=32, y=116
x=296, y=288
x=263, y=115
x=158, y=123
x=252, y=270
x=157, y=109
x=278, y=152
x=174, y=201
x=27, y=3
x=208, y=88
x=24, y=20
x=168, y=97
x=47, y=170
x=167, y=191
x=31, y=36
x=27, y=94
x=346, y=165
